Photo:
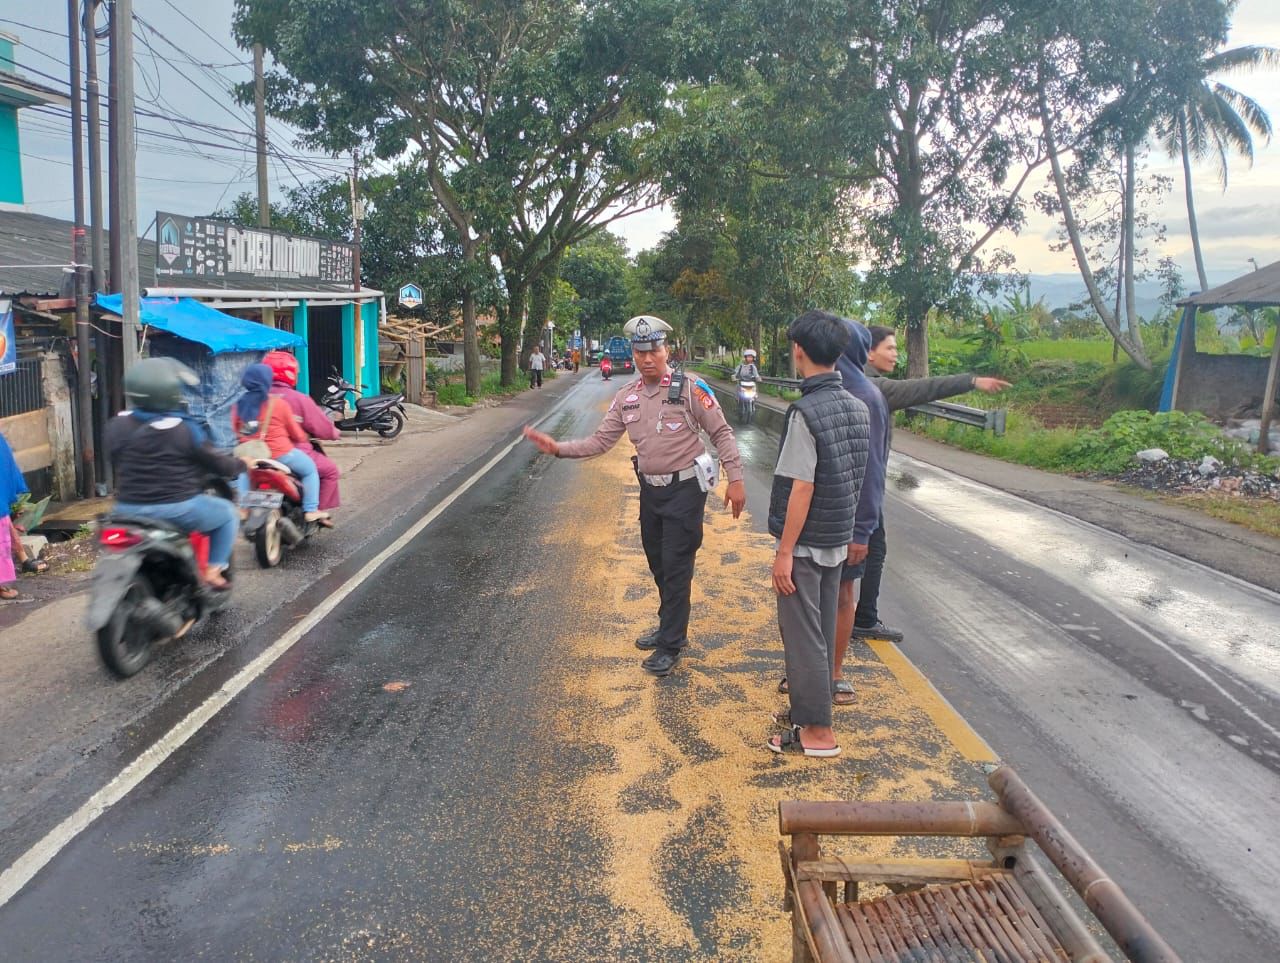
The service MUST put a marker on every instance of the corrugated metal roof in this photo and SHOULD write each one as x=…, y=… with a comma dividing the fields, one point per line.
x=1257, y=289
x=34, y=250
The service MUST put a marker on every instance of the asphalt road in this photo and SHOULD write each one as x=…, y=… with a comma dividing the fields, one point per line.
x=463, y=761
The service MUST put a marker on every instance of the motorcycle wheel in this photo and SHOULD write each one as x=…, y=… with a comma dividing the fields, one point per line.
x=125, y=645
x=391, y=424
x=268, y=545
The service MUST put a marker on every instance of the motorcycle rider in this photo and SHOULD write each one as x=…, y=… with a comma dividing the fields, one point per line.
x=747, y=371
x=314, y=421
x=606, y=367
x=162, y=460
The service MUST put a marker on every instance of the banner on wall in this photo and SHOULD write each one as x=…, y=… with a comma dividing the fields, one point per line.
x=199, y=251
x=8, y=343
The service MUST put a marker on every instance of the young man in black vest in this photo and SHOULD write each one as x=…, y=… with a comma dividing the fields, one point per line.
x=821, y=463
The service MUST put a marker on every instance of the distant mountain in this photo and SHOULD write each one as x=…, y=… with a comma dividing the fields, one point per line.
x=1068, y=290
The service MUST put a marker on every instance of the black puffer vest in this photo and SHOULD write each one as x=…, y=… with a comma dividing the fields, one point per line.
x=841, y=429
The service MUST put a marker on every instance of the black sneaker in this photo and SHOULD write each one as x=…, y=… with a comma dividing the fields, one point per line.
x=877, y=631
x=661, y=663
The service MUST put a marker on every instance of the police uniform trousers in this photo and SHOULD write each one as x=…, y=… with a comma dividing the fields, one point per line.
x=671, y=531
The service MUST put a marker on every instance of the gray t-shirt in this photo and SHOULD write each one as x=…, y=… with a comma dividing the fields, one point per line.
x=799, y=460
x=537, y=360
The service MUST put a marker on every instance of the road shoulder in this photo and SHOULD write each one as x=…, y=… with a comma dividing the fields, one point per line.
x=1216, y=544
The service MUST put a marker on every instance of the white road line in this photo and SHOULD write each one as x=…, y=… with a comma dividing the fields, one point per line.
x=13, y=879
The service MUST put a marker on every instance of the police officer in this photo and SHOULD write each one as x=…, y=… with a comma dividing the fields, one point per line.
x=662, y=412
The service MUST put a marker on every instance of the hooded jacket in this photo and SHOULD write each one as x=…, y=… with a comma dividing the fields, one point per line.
x=871, y=499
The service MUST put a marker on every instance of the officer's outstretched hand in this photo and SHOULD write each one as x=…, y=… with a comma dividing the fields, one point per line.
x=545, y=443
x=735, y=497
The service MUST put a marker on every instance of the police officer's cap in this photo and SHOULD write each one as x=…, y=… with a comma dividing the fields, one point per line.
x=647, y=332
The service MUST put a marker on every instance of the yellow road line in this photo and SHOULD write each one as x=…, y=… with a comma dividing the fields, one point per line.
x=944, y=715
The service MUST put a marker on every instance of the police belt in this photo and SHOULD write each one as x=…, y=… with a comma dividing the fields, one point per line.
x=661, y=481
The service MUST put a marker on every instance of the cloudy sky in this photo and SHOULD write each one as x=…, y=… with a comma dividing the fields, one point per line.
x=189, y=61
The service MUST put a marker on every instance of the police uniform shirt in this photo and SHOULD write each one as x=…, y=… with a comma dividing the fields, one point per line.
x=660, y=430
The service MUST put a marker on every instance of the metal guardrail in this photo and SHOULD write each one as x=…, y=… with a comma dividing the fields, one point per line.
x=976, y=417
x=988, y=420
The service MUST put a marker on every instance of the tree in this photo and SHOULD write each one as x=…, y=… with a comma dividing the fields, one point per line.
x=1104, y=75
x=1210, y=120
x=406, y=237
x=525, y=115
x=597, y=268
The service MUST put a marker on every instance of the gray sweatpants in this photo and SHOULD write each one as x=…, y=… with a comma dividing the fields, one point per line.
x=807, y=620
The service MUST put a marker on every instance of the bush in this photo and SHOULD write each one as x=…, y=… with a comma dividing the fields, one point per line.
x=453, y=394
x=1110, y=449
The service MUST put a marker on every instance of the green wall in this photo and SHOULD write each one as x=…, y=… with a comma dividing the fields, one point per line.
x=303, y=353
x=10, y=157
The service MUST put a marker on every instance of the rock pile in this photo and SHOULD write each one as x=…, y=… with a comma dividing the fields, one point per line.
x=1181, y=476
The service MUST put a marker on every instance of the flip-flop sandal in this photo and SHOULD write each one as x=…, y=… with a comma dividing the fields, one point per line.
x=9, y=594
x=783, y=687
x=845, y=688
x=35, y=566
x=789, y=744
x=782, y=719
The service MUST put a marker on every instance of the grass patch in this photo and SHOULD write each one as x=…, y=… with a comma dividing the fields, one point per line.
x=1038, y=349
x=452, y=390
x=1256, y=514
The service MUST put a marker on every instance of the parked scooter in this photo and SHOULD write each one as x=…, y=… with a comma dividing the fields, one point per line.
x=746, y=401
x=276, y=520
x=147, y=587
x=381, y=413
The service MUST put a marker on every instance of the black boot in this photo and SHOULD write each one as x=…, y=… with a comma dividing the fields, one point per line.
x=662, y=662
x=649, y=640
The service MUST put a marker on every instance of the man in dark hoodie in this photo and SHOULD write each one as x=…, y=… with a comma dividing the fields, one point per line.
x=899, y=394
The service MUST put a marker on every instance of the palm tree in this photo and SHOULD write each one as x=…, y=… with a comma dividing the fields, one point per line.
x=1214, y=120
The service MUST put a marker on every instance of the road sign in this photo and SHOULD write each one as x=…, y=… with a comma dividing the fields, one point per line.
x=410, y=296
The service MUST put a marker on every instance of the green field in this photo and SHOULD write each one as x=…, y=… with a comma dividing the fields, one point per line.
x=1041, y=349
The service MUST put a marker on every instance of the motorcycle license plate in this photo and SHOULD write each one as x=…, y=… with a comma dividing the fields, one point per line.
x=261, y=500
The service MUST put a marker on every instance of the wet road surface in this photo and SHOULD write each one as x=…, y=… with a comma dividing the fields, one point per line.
x=465, y=761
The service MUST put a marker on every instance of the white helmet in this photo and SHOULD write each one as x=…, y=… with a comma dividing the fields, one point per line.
x=749, y=353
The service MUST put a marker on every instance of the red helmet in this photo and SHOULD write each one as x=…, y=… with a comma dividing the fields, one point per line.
x=284, y=367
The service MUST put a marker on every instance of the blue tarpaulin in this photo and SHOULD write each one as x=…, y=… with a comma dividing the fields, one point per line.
x=190, y=319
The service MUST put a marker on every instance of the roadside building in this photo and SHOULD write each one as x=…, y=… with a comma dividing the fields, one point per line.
x=303, y=285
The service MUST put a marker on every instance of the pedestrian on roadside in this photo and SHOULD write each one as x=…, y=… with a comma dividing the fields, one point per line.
x=537, y=361
x=577, y=358
x=870, y=498
x=662, y=412
x=12, y=484
x=822, y=459
x=900, y=394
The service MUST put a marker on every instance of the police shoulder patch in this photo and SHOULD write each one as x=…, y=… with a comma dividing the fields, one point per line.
x=704, y=394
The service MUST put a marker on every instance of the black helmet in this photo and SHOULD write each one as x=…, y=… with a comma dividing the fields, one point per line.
x=155, y=384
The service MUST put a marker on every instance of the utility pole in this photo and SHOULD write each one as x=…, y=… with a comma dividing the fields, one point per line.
x=260, y=123
x=124, y=229
x=84, y=397
x=98, y=277
x=356, y=216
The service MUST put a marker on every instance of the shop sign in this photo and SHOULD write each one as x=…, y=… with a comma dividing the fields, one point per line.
x=200, y=251
x=8, y=343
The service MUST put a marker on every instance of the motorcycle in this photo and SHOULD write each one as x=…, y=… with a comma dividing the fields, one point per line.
x=746, y=401
x=276, y=520
x=147, y=587
x=381, y=413
x=606, y=369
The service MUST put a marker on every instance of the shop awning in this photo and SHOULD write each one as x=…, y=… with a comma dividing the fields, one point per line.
x=205, y=325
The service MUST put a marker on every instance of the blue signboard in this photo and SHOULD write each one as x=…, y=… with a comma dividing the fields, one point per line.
x=410, y=296
x=8, y=343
